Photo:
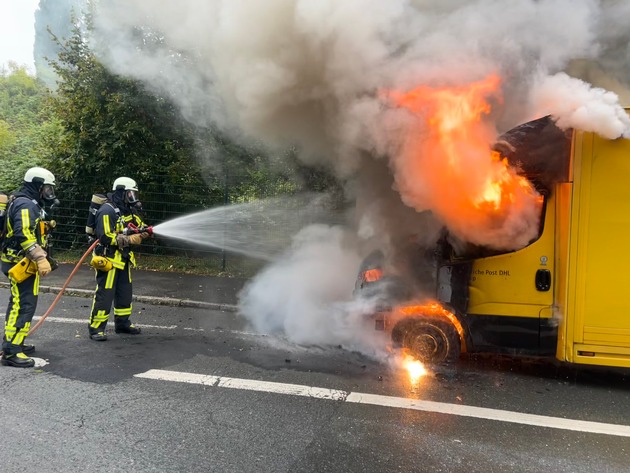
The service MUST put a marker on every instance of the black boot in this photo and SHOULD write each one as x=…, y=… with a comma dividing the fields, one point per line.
x=127, y=328
x=19, y=360
x=98, y=334
x=28, y=349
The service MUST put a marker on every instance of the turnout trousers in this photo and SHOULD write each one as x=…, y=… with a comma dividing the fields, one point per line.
x=113, y=286
x=20, y=311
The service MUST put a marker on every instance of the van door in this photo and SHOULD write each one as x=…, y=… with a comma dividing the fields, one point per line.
x=510, y=294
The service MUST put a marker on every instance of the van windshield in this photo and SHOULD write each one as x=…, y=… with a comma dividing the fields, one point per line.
x=539, y=150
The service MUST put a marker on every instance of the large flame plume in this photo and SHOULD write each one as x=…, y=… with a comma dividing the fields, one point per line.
x=446, y=165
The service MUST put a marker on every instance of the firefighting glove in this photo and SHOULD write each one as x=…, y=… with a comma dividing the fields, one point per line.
x=145, y=235
x=122, y=241
x=43, y=267
x=135, y=239
x=36, y=253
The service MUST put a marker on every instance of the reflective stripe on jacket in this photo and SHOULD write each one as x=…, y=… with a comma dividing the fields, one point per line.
x=23, y=228
x=110, y=223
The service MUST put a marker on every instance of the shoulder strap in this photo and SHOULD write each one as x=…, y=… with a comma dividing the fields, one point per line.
x=113, y=206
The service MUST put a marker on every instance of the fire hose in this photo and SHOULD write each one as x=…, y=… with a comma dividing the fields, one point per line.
x=133, y=229
x=63, y=289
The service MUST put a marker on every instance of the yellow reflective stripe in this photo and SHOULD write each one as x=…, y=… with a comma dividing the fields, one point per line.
x=140, y=222
x=99, y=317
x=122, y=312
x=19, y=337
x=26, y=229
x=117, y=261
x=9, y=326
x=109, y=282
x=109, y=232
x=36, y=284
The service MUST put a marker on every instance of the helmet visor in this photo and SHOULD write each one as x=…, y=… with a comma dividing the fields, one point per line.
x=48, y=192
x=131, y=197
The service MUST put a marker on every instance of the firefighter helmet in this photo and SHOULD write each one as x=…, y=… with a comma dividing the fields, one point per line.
x=125, y=183
x=130, y=188
x=45, y=182
x=39, y=175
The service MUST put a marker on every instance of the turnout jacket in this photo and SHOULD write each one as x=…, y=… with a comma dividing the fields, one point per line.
x=112, y=220
x=26, y=226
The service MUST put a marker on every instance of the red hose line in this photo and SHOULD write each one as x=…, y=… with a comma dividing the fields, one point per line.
x=65, y=285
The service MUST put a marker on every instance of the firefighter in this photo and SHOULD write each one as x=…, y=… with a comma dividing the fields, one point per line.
x=118, y=226
x=24, y=261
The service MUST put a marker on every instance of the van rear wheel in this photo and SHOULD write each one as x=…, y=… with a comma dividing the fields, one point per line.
x=430, y=341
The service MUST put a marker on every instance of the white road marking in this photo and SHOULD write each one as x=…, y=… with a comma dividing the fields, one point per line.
x=68, y=320
x=391, y=401
x=281, y=388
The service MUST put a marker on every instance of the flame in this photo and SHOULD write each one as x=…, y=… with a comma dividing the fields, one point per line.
x=415, y=368
x=373, y=275
x=447, y=165
x=434, y=309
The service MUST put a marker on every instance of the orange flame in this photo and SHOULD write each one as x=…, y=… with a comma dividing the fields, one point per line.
x=415, y=368
x=373, y=275
x=449, y=167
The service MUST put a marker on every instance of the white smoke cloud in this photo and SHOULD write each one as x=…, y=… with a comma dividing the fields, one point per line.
x=308, y=73
x=307, y=294
x=574, y=103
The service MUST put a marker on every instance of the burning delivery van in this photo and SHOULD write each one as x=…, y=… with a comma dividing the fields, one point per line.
x=565, y=293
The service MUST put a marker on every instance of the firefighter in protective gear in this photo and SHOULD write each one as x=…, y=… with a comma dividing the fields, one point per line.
x=116, y=223
x=26, y=237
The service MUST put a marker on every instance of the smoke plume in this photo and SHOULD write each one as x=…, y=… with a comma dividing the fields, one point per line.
x=311, y=74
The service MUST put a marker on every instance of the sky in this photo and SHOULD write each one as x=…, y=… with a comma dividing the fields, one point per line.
x=17, y=32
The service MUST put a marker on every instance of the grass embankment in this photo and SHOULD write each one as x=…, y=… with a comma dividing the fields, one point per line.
x=231, y=266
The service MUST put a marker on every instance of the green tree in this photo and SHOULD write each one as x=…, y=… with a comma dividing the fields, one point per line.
x=115, y=126
x=27, y=125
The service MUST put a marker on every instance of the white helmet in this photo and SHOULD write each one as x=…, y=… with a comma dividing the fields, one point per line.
x=41, y=175
x=125, y=183
x=130, y=187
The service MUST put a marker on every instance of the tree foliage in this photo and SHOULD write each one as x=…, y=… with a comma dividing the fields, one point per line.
x=27, y=125
x=113, y=126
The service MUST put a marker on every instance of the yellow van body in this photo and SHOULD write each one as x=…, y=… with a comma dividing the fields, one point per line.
x=583, y=254
x=592, y=296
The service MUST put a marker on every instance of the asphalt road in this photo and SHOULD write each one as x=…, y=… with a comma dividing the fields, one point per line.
x=199, y=392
